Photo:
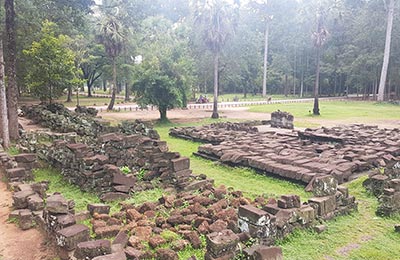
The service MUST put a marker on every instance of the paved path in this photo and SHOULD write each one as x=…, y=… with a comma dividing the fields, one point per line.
x=135, y=107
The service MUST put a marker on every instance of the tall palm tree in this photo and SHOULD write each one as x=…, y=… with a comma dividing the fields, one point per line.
x=385, y=65
x=320, y=37
x=112, y=36
x=218, y=23
x=4, y=134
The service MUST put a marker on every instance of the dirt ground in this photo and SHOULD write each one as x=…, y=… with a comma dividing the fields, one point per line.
x=16, y=244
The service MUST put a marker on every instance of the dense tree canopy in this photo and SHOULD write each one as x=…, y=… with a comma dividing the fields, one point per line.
x=52, y=65
x=116, y=31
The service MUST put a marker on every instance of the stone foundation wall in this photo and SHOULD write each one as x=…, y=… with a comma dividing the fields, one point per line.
x=280, y=119
x=342, y=152
x=386, y=187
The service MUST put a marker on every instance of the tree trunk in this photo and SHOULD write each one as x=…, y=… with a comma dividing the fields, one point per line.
x=316, y=88
x=69, y=95
x=126, y=92
x=264, y=87
x=294, y=71
x=215, y=106
x=89, y=88
x=104, y=85
x=385, y=65
x=163, y=114
x=3, y=103
x=12, y=89
x=114, y=86
x=285, y=90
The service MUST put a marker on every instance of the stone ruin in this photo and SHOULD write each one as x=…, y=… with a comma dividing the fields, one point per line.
x=386, y=187
x=342, y=152
x=210, y=133
x=190, y=209
x=280, y=119
x=224, y=216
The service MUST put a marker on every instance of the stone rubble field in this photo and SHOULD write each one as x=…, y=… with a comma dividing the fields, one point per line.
x=342, y=152
x=192, y=212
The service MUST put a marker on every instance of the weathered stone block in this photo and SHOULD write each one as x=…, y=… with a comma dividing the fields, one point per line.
x=122, y=179
x=289, y=201
x=15, y=173
x=25, y=158
x=25, y=219
x=20, y=198
x=325, y=205
x=70, y=237
x=57, y=204
x=222, y=243
x=306, y=214
x=113, y=196
x=98, y=208
x=253, y=215
x=91, y=249
x=35, y=202
x=166, y=254
x=121, y=238
x=107, y=231
x=180, y=164
x=324, y=186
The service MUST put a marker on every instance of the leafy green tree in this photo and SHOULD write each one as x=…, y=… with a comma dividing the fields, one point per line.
x=164, y=77
x=52, y=65
x=112, y=36
x=217, y=20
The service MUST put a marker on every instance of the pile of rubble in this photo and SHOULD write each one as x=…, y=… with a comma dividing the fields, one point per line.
x=18, y=168
x=58, y=118
x=224, y=216
x=98, y=168
x=342, y=152
x=386, y=187
x=212, y=133
x=280, y=119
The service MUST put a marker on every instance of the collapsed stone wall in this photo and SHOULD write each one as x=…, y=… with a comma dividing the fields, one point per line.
x=210, y=133
x=224, y=216
x=83, y=122
x=386, y=187
x=281, y=119
x=97, y=169
x=342, y=152
x=93, y=163
x=187, y=214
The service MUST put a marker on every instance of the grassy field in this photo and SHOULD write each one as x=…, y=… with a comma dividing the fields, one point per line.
x=333, y=110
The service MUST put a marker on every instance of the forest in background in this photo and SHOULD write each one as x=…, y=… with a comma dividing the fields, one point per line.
x=165, y=52
x=351, y=56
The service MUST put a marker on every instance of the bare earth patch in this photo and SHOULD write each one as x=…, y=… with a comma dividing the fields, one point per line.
x=16, y=244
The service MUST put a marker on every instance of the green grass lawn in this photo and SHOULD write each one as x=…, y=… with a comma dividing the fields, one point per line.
x=69, y=191
x=335, y=110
